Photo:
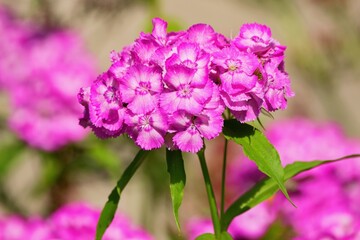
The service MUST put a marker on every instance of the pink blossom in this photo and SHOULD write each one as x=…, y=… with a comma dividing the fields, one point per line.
x=197, y=227
x=105, y=108
x=277, y=85
x=140, y=88
x=256, y=38
x=18, y=228
x=78, y=221
x=184, y=91
x=240, y=88
x=327, y=197
x=254, y=223
x=191, y=56
x=190, y=129
x=14, y=34
x=187, y=76
x=43, y=100
x=250, y=225
x=147, y=130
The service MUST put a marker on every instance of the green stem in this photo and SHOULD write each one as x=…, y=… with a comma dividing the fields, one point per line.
x=210, y=194
x=223, y=178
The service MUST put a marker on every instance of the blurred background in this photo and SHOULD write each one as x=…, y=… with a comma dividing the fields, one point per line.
x=37, y=177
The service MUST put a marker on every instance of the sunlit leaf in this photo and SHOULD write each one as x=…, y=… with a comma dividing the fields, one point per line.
x=108, y=212
x=210, y=236
x=268, y=187
x=257, y=148
x=175, y=167
x=206, y=236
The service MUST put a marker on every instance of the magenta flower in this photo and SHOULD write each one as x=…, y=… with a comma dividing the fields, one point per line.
x=191, y=56
x=184, y=79
x=140, y=88
x=250, y=225
x=237, y=70
x=196, y=227
x=240, y=87
x=184, y=91
x=105, y=105
x=78, y=221
x=254, y=223
x=147, y=130
x=43, y=100
x=278, y=86
x=206, y=37
x=190, y=129
x=18, y=228
x=256, y=38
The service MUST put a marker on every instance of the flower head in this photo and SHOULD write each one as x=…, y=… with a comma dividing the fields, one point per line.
x=174, y=87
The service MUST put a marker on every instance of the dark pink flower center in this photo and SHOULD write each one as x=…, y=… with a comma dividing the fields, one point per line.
x=145, y=122
x=143, y=88
x=184, y=91
x=233, y=64
x=111, y=94
x=192, y=129
x=189, y=64
x=257, y=39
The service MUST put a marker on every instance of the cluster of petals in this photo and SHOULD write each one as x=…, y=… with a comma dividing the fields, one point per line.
x=13, y=34
x=172, y=88
x=75, y=221
x=326, y=197
x=41, y=72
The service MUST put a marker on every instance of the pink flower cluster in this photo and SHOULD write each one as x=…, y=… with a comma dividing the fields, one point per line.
x=42, y=72
x=173, y=87
x=327, y=197
x=71, y=222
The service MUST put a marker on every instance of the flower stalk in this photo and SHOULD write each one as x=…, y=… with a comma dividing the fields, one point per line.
x=210, y=194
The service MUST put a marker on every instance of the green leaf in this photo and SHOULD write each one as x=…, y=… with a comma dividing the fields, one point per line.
x=210, y=236
x=268, y=187
x=257, y=148
x=226, y=236
x=206, y=236
x=108, y=212
x=175, y=167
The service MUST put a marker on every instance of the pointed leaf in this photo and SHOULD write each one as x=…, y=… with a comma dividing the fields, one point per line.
x=206, y=236
x=108, y=212
x=175, y=167
x=257, y=148
x=210, y=236
x=268, y=187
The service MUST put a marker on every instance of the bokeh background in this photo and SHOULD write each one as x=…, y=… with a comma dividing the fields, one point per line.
x=322, y=59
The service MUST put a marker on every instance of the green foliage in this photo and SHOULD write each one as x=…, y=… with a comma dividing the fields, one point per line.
x=268, y=187
x=175, y=168
x=257, y=148
x=209, y=236
x=108, y=212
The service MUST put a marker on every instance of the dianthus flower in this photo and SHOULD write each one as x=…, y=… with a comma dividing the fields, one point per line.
x=42, y=101
x=14, y=34
x=327, y=197
x=173, y=87
x=78, y=222
x=75, y=221
x=250, y=225
x=256, y=38
x=18, y=228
